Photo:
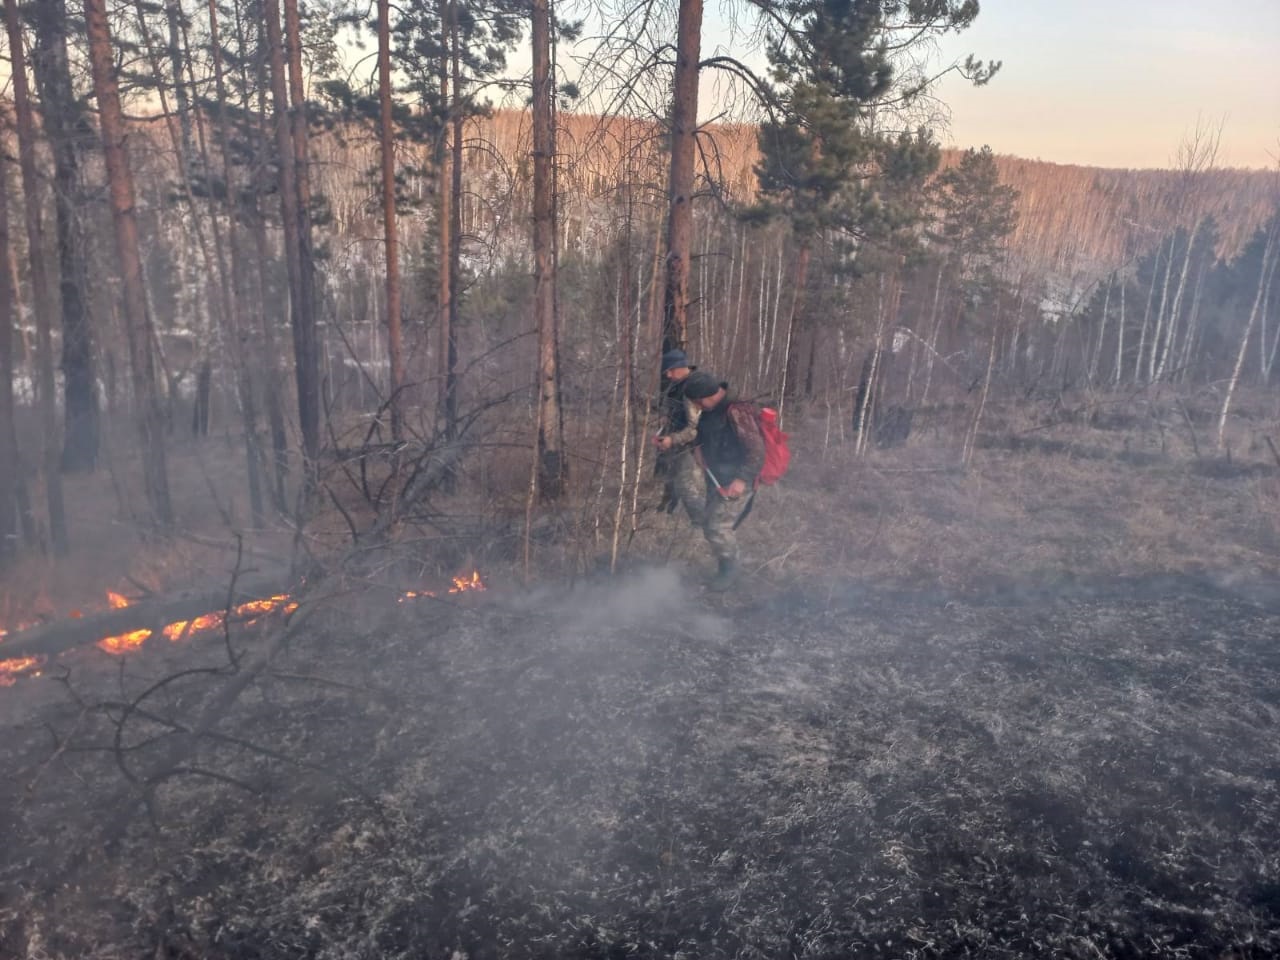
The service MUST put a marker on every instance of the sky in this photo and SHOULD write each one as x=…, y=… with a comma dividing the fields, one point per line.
x=1111, y=83
x=1121, y=83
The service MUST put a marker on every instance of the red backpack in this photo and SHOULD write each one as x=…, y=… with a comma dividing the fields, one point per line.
x=777, y=455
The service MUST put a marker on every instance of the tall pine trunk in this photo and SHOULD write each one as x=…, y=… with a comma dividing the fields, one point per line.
x=551, y=461
x=149, y=418
x=684, y=129
x=40, y=290
x=67, y=131
x=386, y=142
x=306, y=341
x=9, y=467
x=237, y=330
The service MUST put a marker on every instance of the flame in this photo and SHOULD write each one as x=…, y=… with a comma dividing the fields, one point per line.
x=465, y=584
x=11, y=669
x=248, y=612
x=124, y=642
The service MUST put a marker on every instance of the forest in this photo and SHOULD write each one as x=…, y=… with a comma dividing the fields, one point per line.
x=340, y=613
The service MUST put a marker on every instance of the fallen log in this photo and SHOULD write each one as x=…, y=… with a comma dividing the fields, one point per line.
x=51, y=639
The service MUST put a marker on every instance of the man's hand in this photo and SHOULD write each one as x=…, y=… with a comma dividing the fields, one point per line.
x=734, y=490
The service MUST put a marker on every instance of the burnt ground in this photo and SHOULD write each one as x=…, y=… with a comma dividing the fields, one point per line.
x=825, y=769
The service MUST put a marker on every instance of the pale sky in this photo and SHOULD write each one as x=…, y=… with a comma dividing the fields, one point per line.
x=1113, y=83
x=1122, y=83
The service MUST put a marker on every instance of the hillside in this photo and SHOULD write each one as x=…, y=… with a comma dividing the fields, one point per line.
x=1072, y=220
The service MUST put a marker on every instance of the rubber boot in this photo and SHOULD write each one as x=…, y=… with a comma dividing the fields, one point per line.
x=727, y=574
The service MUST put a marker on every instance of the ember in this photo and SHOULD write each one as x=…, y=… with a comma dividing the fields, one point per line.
x=247, y=613
x=10, y=670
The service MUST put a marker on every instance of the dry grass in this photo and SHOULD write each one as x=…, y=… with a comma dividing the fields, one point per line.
x=1053, y=493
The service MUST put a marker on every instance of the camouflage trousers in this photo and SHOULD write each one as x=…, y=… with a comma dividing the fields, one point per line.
x=719, y=515
x=687, y=485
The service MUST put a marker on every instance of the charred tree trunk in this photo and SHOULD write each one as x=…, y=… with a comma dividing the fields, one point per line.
x=551, y=462
x=40, y=291
x=392, y=243
x=67, y=130
x=684, y=129
x=150, y=421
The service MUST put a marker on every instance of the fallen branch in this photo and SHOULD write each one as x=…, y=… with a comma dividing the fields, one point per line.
x=154, y=615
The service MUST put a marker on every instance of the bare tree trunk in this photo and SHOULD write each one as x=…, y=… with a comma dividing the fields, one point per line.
x=791, y=360
x=971, y=437
x=1152, y=362
x=9, y=466
x=67, y=130
x=138, y=320
x=1175, y=310
x=1146, y=314
x=1096, y=357
x=40, y=290
x=684, y=129
x=1268, y=264
x=456, y=144
x=551, y=462
x=298, y=261
x=238, y=333
x=386, y=142
x=1119, y=370
x=445, y=292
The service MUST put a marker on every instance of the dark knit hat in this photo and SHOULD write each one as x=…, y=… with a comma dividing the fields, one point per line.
x=673, y=359
x=700, y=385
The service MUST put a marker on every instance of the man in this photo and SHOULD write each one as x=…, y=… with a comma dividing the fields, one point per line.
x=732, y=452
x=684, y=482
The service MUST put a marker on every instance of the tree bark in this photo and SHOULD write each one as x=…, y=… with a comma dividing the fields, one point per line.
x=391, y=237
x=684, y=129
x=138, y=326
x=9, y=467
x=67, y=131
x=306, y=342
x=301, y=321
x=445, y=410
x=1264, y=272
x=237, y=332
x=791, y=361
x=40, y=291
x=551, y=461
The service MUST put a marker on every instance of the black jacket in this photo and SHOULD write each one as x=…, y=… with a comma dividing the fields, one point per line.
x=730, y=442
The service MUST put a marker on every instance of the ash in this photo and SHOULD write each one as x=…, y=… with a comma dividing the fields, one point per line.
x=631, y=770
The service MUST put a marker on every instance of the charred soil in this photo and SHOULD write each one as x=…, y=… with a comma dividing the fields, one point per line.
x=824, y=769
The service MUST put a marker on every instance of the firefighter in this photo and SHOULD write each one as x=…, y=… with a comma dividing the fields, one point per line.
x=684, y=483
x=730, y=450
